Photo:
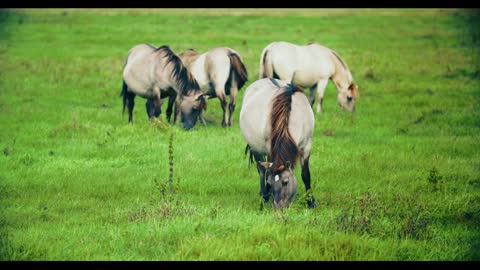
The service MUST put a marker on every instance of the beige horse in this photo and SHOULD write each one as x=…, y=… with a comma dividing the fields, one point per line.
x=219, y=72
x=152, y=73
x=277, y=121
x=313, y=66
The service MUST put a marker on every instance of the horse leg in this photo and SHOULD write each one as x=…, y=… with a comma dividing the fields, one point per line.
x=152, y=111
x=313, y=89
x=231, y=106
x=176, y=111
x=202, y=118
x=306, y=181
x=171, y=100
x=322, y=84
x=223, y=103
x=264, y=187
x=157, y=101
x=130, y=105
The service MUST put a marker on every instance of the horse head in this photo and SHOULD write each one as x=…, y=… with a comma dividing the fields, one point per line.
x=346, y=97
x=191, y=108
x=283, y=183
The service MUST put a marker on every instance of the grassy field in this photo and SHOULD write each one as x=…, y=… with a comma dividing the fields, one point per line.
x=397, y=180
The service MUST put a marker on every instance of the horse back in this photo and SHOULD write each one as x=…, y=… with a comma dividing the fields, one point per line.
x=146, y=67
x=138, y=73
x=255, y=116
x=301, y=122
x=217, y=63
x=304, y=65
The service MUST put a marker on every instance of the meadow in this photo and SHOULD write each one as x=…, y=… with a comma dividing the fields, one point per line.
x=398, y=180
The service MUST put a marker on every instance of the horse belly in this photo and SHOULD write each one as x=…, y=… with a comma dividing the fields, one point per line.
x=138, y=84
x=304, y=70
x=312, y=68
x=306, y=78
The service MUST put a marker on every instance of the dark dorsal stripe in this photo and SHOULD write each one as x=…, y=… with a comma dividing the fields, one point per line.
x=180, y=74
x=274, y=81
x=153, y=47
x=339, y=59
x=283, y=147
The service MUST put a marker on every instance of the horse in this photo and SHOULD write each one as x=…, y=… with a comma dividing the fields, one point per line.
x=219, y=72
x=276, y=120
x=313, y=65
x=154, y=73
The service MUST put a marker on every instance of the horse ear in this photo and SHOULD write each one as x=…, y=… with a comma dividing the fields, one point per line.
x=354, y=88
x=265, y=164
x=280, y=168
x=203, y=101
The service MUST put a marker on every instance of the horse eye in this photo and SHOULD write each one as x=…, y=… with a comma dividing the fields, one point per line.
x=349, y=98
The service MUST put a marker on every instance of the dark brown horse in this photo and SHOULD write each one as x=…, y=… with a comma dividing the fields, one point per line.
x=277, y=121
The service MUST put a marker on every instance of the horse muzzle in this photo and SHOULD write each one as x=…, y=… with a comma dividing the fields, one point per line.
x=281, y=204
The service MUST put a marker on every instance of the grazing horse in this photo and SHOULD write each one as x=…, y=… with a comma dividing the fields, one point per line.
x=154, y=73
x=219, y=72
x=277, y=121
x=313, y=65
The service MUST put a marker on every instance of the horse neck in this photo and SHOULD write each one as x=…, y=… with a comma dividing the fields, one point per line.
x=179, y=85
x=342, y=77
x=184, y=80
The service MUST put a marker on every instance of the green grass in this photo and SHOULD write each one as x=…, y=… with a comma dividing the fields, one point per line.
x=397, y=180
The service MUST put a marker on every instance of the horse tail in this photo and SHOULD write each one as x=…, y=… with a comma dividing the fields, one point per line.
x=123, y=94
x=238, y=68
x=266, y=66
x=283, y=147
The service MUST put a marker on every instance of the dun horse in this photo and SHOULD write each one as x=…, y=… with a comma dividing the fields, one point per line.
x=313, y=66
x=219, y=72
x=277, y=121
x=154, y=73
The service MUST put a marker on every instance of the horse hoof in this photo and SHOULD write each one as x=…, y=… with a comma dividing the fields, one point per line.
x=311, y=203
